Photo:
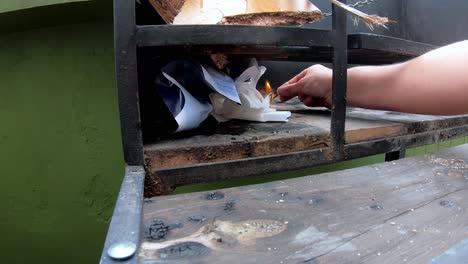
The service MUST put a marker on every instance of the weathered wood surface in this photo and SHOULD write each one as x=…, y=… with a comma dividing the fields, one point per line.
x=307, y=129
x=412, y=210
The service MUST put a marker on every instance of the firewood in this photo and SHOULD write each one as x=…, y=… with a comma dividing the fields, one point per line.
x=273, y=18
x=168, y=9
x=252, y=12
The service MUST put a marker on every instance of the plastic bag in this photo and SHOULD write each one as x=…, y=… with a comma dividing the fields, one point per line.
x=188, y=111
x=254, y=107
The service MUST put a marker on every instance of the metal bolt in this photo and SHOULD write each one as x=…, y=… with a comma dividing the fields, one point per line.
x=121, y=251
x=134, y=171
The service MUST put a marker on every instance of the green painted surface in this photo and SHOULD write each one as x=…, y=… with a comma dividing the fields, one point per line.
x=12, y=5
x=42, y=16
x=60, y=149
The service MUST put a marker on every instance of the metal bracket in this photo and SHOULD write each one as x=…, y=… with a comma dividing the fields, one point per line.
x=340, y=74
x=395, y=155
x=124, y=229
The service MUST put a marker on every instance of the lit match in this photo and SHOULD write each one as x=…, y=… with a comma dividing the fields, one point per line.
x=268, y=91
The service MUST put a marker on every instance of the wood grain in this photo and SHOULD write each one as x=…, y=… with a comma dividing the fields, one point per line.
x=412, y=210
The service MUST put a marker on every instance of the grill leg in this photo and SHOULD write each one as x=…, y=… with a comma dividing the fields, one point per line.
x=395, y=155
x=340, y=68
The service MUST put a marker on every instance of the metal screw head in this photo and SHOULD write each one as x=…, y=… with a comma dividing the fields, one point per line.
x=121, y=250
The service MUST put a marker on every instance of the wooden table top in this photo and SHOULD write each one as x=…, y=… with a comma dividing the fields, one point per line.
x=413, y=210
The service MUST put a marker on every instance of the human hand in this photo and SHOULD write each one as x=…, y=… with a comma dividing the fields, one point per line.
x=313, y=86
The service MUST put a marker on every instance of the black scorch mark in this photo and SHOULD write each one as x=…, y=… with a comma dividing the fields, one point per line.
x=197, y=218
x=229, y=207
x=184, y=250
x=157, y=230
x=214, y=196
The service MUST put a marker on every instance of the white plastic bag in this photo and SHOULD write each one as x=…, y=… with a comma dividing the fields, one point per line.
x=254, y=107
x=192, y=111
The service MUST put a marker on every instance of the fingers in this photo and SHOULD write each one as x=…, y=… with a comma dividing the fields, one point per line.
x=301, y=97
x=309, y=101
x=310, y=82
x=284, y=99
x=289, y=91
x=296, y=78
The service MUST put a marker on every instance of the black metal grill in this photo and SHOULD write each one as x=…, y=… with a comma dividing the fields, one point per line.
x=280, y=43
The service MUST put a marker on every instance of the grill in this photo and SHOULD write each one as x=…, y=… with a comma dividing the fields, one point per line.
x=170, y=162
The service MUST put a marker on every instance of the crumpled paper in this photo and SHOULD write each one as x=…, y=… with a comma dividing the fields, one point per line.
x=254, y=107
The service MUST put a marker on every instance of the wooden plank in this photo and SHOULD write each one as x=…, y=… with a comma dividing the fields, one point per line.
x=307, y=129
x=410, y=210
x=209, y=172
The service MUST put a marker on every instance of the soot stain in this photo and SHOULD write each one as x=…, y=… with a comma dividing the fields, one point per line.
x=393, y=113
x=176, y=225
x=214, y=196
x=229, y=207
x=447, y=204
x=157, y=230
x=197, y=218
x=184, y=250
x=376, y=207
x=315, y=200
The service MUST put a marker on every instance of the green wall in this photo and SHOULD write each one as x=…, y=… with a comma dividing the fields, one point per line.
x=61, y=162
x=9, y=5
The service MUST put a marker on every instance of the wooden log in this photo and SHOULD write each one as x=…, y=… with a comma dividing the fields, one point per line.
x=168, y=9
x=273, y=18
x=252, y=12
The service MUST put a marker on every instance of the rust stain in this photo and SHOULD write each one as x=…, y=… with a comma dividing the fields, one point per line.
x=154, y=185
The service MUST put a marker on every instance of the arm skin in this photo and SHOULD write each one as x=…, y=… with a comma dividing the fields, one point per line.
x=435, y=83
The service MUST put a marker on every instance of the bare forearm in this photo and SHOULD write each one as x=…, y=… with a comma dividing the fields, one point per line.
x=435, y=83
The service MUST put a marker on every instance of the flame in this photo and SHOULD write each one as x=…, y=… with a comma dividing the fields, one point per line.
x=268, y=91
